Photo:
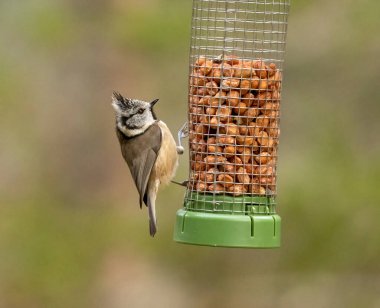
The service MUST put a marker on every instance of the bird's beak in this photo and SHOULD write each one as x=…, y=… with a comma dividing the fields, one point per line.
x=153, y=102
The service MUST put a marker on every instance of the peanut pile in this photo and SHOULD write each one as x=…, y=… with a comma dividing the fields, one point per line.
x=234, y=117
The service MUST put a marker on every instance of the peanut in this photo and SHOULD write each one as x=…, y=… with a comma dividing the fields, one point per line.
x=236, y=161
x=263, y=84
x=212, y=88
x=228, y=168
x=201, y=130
x=232, y=60
x=276, y=95
x=250, y=169
x=255, y=82
x=245, y=86
x=264, y=170
x=257, y=189
x=243, y=71
x=198, y=145
x=242, y=176
x=240, y=109
x=277, y=79
x=263, y=157
x=211, y=141
x=230, y=83
x=224, y=140
x=273, y=129
x=215, y=149
x=233, y=113
x=204, y=119
x=205, y=177
x=272, y=69
x=194, y=176
x=223, y=113
x=195, y=113
x=243, y=130
x=253, y=129
x=230, y=129
x=246, y=155
x=205, y=68
x=200, y=61
x=216, y=188
x=201, y=91
x=218, y=99
x=240, y=148
x=220, y=70
x=266, y=180
x=214, y=122
x=261, y=69
x=255, y=147
x=210, y=110
x=249, y=63
x=248, y=99
x=262, y=138
x=237, y=189
x=229, y=151
x=198, y=80
x=208, y=176
x=252, y=113
x=262, y=121
x=268, y=107
x=198, y=166
x=233, y=98
x=226, y=69
x=212, y=159
x=193, y=100
x=205, y=100
x=226, y=180
x=200, y=186
x=263, y=97
x=197, y=157
x=245, y=140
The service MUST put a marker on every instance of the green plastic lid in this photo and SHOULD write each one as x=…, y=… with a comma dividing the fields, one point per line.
x=226, y=221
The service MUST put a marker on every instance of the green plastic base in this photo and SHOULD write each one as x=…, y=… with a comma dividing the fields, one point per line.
x=225, y=230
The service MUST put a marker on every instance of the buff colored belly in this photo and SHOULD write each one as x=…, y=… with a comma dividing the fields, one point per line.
x=167, y=159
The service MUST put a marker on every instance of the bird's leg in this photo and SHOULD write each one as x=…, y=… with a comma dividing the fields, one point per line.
x=182, y=133
x=152, y=195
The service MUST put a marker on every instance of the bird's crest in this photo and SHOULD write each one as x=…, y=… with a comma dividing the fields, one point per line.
x=120, y=102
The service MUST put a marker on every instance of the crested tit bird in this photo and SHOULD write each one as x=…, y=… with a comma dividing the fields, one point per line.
x=147, y=146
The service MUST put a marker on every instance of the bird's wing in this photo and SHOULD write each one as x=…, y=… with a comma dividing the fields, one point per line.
x=140, y=153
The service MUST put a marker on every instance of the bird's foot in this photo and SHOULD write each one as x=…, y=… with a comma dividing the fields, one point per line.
x=184, y=183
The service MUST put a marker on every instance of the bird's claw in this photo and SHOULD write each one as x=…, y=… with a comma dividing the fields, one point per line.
x=184, y=183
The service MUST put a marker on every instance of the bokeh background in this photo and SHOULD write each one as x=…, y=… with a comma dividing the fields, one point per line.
x=71, y=232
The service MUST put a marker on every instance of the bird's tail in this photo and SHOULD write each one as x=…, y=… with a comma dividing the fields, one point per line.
x=152, y=218
x=152, y=194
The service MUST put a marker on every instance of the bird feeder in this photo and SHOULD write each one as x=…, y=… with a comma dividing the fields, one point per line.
x=235, y=77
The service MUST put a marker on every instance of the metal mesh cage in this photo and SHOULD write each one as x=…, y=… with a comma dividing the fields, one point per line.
x=236, y=62
x=235, y=76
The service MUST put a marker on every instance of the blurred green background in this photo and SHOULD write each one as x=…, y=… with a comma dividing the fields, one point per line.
x=71, y=232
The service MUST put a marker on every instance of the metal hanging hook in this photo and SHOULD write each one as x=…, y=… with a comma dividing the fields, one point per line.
x=182, y=133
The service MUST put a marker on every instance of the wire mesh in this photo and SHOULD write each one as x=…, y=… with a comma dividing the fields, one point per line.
x=236, y=64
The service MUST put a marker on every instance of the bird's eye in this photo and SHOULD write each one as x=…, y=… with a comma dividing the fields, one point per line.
x=140, y=111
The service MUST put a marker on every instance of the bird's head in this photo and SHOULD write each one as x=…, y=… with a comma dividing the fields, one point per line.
x=133, y=116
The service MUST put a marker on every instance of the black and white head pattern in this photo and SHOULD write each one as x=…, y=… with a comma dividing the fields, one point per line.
x=133, y=116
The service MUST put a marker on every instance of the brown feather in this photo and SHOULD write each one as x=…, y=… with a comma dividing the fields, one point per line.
x=152, y=159
x=140, y=153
